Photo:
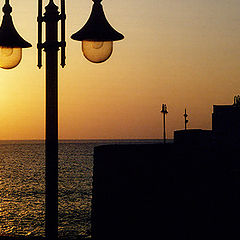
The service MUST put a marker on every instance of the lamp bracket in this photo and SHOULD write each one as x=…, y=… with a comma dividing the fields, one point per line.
x=47, y=45
x=40, y=46
x=62, y=16
x=51, y=15
x=44, y=19
x=40, y=19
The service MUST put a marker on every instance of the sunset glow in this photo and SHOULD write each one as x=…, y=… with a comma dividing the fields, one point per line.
x=185, y=54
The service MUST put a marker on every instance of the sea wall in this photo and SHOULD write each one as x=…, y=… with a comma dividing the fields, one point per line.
x=165, y=191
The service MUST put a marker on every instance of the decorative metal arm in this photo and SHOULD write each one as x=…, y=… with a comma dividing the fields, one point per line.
x=63, y=42
x=39, y=45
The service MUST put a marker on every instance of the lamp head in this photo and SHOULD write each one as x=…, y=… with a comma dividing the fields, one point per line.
x=97, y=35
x=11, y=43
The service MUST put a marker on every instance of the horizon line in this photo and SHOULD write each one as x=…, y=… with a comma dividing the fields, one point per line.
x=86, y=139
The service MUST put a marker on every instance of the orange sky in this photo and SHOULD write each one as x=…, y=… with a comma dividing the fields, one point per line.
x=183, y=53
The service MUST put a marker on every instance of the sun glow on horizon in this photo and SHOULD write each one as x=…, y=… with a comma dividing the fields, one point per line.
x=184, y=54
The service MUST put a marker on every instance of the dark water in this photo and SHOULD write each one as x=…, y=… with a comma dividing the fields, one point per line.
x=22, y=186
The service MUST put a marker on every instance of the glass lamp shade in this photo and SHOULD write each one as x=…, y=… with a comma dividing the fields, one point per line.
x=97, y=35
x=11, y=43
x=10, y=57
x=97, y=51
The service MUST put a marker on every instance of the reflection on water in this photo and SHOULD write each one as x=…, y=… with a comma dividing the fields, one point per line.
x=22, y=187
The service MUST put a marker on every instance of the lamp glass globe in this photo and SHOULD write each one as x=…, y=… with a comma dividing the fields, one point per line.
x=97, y=51
x=10, y=57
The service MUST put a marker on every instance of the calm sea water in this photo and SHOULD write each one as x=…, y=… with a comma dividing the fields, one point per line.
x=22, y=186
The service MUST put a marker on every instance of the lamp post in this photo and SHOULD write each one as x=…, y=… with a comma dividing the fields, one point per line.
x=97, y=38
x=185, y=119
x=164, y=112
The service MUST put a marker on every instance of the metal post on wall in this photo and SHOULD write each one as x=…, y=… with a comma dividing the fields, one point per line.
x=185, y=119
x=164, y=112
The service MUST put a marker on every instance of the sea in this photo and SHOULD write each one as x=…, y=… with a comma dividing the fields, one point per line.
x=22, y=186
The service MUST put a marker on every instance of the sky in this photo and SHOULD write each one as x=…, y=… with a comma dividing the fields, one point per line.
x=183, y=53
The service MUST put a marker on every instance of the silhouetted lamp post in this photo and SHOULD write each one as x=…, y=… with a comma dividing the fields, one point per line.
x=185, y=119
x=164, y=112
x=97, y=38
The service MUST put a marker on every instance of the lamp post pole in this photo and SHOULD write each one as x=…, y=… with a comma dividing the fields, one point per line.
x=51, y=144
x=51, y=47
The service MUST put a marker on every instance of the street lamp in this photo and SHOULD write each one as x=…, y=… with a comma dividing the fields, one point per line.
x=11, y=43
x=97, y=35
x=97, y=38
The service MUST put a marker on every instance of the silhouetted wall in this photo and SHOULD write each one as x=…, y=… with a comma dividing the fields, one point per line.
x=226, y=124
x=193, y=137
x=165, y=192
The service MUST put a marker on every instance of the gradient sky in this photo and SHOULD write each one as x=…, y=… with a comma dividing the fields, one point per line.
x=184, y=53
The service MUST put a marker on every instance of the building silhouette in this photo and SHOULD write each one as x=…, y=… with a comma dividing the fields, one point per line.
x=226, y=123
x=197, y=137
x=225, y=128
x=189, y=189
